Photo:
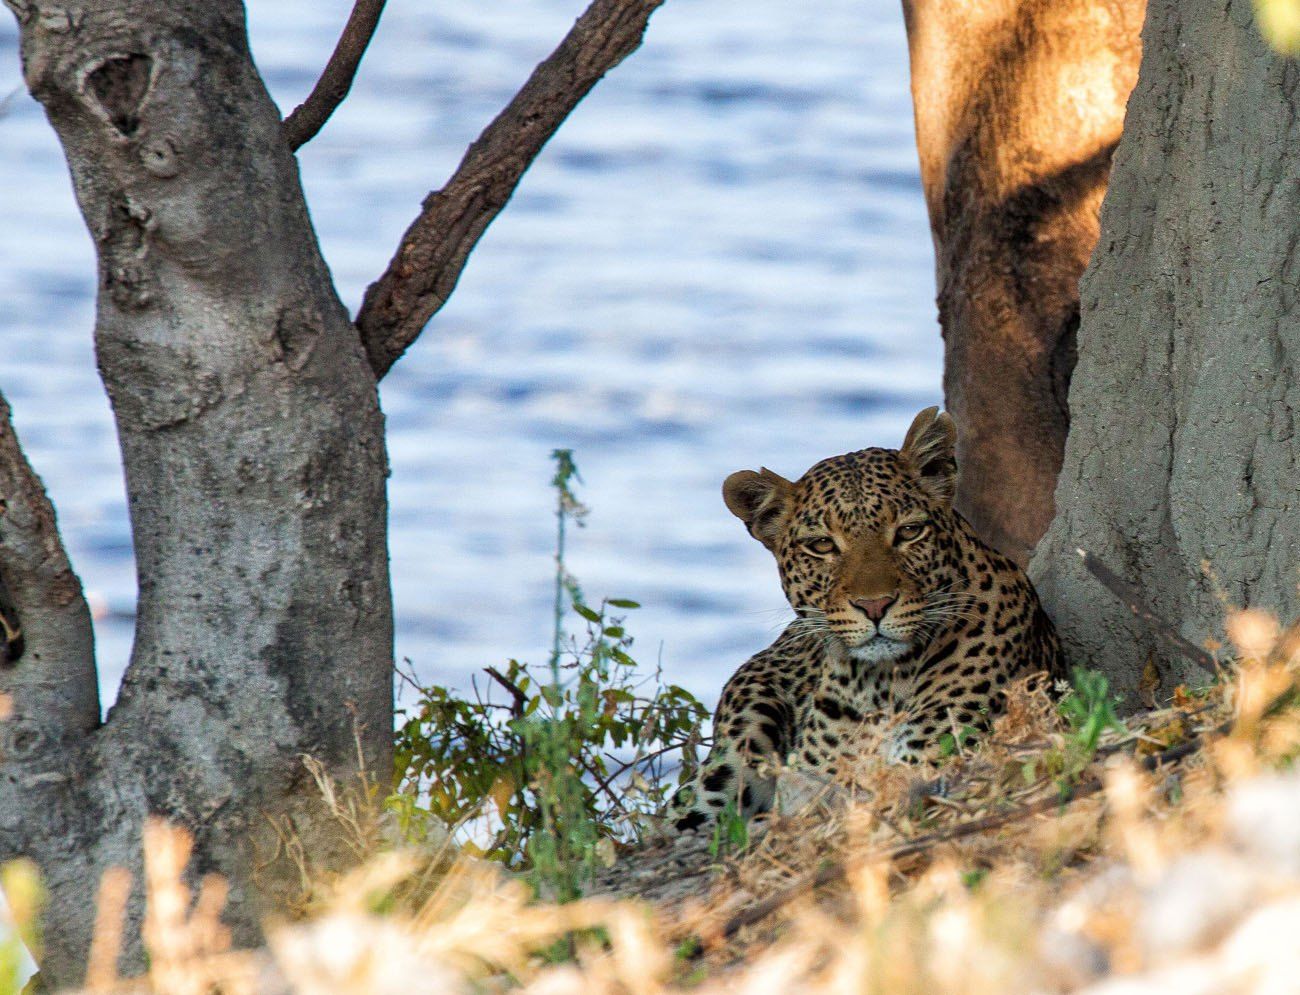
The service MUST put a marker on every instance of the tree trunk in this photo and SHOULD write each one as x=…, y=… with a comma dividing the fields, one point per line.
x=253, y=444
x=255, y=468
x=1180, y=466
x=1019, y=104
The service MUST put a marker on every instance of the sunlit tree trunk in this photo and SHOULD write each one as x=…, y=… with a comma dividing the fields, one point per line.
x=1180, y=470
x=1019, y=104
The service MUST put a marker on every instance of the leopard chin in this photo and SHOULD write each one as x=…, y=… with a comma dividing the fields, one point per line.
x=879, y=649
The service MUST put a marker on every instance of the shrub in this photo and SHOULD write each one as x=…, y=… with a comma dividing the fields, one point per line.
x=570, y=763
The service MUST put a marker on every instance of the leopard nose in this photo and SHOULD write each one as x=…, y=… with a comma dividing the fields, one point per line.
x=874, y=608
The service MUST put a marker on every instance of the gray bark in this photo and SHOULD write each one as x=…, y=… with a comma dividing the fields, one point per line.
x=255, y=465
x=51, y=690
x=1180, y=466
x=251, y=434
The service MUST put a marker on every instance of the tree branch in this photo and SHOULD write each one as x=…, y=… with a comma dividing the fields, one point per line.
x=54, y=684
x=335, y=81
x=50, y=693
x=434, y=250
x=837, y=871
x=520, y=703
x=1133, y=601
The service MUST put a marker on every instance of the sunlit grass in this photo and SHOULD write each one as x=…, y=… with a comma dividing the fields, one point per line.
x=1180, y=868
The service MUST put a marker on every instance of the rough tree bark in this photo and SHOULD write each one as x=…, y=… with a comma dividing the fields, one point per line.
x=1180, y=466
x=1019, y=104
x=435, y=248
x=253, y=446
x=251, y=434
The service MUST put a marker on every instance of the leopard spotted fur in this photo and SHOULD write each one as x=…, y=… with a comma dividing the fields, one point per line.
x=907, y=623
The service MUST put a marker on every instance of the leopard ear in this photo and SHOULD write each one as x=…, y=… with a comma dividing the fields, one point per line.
x=930, y=450
x=760, y=500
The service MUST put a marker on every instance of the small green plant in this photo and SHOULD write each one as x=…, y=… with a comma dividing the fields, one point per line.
x=730, y=831
x=950, y=745
x=1088, y=709
x=688, y=949
x=571, y=763
x=973, y=878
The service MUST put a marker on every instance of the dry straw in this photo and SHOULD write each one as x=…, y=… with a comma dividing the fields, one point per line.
x=1079, y=873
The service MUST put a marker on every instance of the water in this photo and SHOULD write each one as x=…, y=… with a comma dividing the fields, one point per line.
x=722, y=261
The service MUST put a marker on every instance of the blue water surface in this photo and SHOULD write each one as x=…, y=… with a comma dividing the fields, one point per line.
x=722, y=261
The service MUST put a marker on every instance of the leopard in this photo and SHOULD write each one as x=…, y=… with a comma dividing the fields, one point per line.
x=908, y=627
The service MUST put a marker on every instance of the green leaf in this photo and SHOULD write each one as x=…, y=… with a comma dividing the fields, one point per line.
x=587, y=613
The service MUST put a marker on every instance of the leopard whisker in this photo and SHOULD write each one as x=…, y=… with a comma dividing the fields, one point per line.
x=952, y=613
x=951, y=599
x=938, y=625
x=808, y=611
x=784, y=606
x=802, y=626
x=813, y=623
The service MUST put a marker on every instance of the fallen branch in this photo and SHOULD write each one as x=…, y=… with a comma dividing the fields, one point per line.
x=307, y=119
x=434, y=250
x=838, y=871
x=1132, y=600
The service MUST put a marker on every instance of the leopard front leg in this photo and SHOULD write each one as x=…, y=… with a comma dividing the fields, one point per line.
x=754, y=723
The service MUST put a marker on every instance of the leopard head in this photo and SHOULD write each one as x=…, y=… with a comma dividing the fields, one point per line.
x=866, y=543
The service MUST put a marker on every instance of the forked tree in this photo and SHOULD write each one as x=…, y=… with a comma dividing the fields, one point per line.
x=245, y=396
x=1179, y=467
x=1019, y=105
x=246, y=406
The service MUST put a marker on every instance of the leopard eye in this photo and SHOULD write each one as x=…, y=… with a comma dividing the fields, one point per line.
x=822, y=546
x=913, y=530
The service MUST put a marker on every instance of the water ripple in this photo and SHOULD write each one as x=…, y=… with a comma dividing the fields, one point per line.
x=721, y=261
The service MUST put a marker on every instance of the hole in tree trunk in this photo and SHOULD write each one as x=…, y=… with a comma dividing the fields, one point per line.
x=119, y=85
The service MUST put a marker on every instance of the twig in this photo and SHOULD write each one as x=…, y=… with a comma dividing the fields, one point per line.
x=1132, y=599
x=434, y=250
x=307, y=119
x=837, y=871
x=520, y=699
x=410, y=679
x=604, y=786
x=626, y=765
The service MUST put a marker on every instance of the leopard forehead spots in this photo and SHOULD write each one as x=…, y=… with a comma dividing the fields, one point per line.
x=908, y=624
x=865, y=489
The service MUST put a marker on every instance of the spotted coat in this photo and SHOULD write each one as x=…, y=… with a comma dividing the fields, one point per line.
x=908, y=625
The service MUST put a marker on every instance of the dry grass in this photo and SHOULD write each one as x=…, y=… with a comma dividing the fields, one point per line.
x=1182, y=877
